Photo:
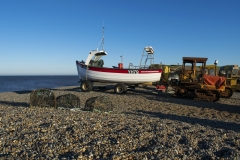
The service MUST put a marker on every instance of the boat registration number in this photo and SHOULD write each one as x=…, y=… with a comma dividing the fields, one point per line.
x=132, y=71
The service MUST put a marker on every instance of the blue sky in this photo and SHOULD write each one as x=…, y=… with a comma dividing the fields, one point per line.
x=46, y=37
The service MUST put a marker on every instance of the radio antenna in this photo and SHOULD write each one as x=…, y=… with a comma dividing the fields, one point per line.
x=121, y=58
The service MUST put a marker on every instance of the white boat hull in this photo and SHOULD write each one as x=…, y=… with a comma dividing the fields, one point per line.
x=113, y=75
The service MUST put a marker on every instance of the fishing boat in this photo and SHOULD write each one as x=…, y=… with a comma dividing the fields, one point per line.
x=93, y=70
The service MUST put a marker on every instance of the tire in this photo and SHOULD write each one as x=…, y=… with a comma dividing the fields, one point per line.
x=120, y=88
x=86, y=86
x=229, y=92
x=217, y=97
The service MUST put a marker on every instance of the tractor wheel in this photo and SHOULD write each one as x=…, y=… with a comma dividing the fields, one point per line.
x=86, y=86
x=120, y=88
x=229, y=92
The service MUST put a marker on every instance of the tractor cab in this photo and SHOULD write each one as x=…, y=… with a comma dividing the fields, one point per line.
x=229, y=71
x=193, y=69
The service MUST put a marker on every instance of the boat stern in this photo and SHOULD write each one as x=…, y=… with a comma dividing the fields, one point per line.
x=80, y=69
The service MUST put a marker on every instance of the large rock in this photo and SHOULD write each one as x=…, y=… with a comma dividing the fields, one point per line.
x=100, y=103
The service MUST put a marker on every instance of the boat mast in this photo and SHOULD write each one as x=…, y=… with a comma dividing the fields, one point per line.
x=102, y=41
x=103, y=38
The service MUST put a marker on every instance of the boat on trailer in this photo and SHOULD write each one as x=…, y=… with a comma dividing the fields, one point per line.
x=93, y=70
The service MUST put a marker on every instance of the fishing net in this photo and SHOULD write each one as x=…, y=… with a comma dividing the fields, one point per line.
x=68, y=101
x=42, y=98
x=100, y=103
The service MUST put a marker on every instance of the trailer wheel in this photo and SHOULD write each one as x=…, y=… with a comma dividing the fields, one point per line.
x=120, y=88
x=86, y=86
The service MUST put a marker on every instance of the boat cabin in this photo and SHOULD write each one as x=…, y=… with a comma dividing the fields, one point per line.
x=93, y=58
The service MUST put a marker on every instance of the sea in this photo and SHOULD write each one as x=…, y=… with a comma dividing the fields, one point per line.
x=23, y=83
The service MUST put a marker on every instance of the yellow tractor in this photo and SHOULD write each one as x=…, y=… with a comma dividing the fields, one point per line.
x=232, y=73
x=194, y=83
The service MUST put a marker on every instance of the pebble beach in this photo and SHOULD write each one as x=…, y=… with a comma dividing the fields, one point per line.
x=143, y=125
